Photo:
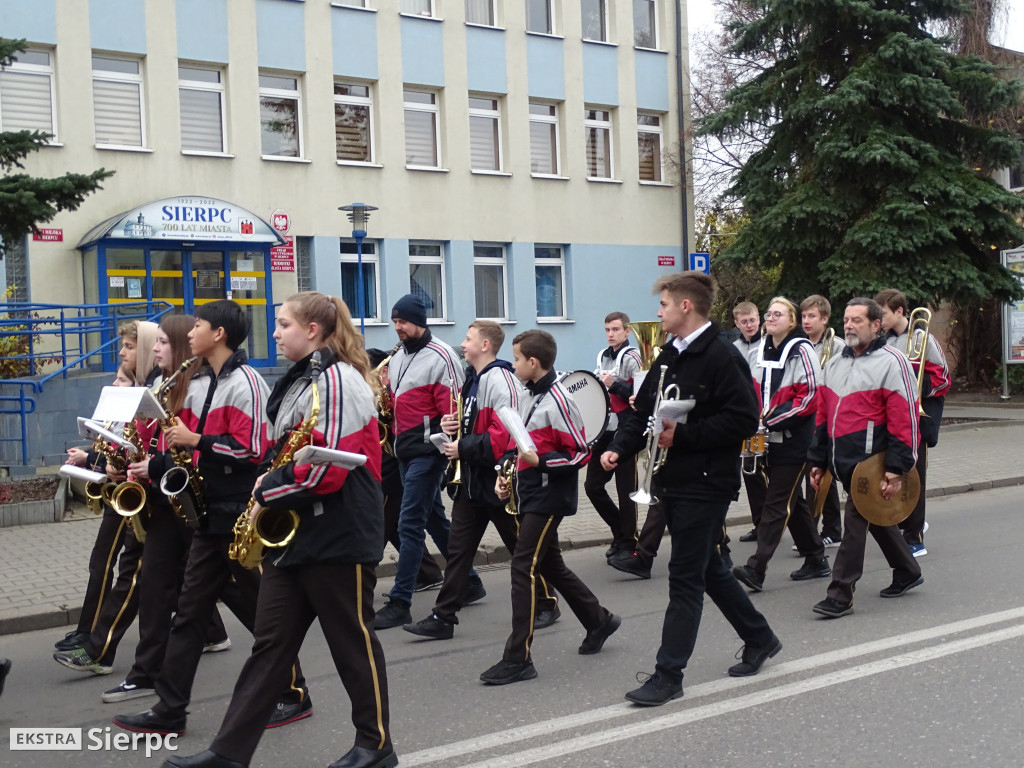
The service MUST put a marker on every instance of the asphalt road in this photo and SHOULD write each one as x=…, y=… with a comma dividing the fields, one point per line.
x=930, y=679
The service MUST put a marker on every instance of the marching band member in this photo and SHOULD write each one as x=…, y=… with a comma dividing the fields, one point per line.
x=326, y=572
x=699, y=479
x=547, y=489
x=814, y=315
x=616, y=366
x=869, y=391
x=936, y=383
x=788, y=371
x=490, y=385
x=222, y=421
x=422, y=375
x=748, y=320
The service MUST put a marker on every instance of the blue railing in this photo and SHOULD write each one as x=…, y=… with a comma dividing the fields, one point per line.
x=72, y=325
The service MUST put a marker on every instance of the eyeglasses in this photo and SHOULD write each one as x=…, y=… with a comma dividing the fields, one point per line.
x=772, y=315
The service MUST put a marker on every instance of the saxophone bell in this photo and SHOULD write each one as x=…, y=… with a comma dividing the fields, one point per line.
x=176, y=485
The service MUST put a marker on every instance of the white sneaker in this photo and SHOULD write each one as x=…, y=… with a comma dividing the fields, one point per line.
x=829, y=543
x=223, y=645
x=925, y=529
x=126, y=691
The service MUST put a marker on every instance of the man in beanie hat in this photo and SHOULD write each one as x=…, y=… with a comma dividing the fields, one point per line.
x=424, y=377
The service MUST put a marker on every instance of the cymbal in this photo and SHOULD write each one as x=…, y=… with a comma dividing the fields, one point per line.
x=866, y=492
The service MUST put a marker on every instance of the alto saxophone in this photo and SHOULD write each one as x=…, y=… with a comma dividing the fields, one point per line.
x=507, y=471
x=130, y=498
x=385, y=405
x=97, y=494
x=272, y=528
x=182, y=484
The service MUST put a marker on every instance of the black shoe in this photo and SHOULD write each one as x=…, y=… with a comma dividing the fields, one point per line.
x=474, y=591
x=612, y=551
x=749, y=536
x=150, y=722
x=395, y=613
x=898, y=590
x=205, y=759
x=812, y=569
x=749, y=577
x=422, y=586
x=5, y=670
x=631, y=565
x=596, y=637
x=657, y=689
x=505, y=672
x=753, y=658
x=432, y=627
x=288, y=712
x=832, y=609
x=71, y=641
x=545, y=619
x=361, y=757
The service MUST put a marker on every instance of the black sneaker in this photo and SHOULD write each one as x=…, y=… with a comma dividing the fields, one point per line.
x=812, y=569
x=395, y=613
x=80, y=661
x=505, y=672
x=126, y=691
x=71, y=641
x=753, y=658
x=474, y=591
x=150, y=722
x=361, y=757
x=597, y=636
x=749, y=577
x=749, y=536
x=898, y=590
x=545, y=619
x=632, y=564
x=432, y=627
x=288, y=712
x=657, y=689
x=5, y=670
x=422, y=586
x=832, y=609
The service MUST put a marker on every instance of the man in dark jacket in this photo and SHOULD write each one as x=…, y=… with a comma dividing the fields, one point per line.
x=700, y=477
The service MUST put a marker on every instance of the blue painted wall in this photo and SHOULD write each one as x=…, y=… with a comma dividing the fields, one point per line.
x=485, y=60
x=354, y=40
x=35, y=21
x=203, y=30
x=600, y=74
x=422, y=52
x=281, y=35
x=545, y=67
x=652, y=71
x=117, y=25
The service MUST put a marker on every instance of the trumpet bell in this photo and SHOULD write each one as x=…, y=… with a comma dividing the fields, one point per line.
x=640, y=496
x=866, y=493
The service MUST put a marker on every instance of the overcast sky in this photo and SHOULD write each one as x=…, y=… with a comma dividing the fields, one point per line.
x=1009, y=34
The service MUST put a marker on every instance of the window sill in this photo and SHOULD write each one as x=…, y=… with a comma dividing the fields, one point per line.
x=375, y=323
x=421, y=18
x=440, y=321
x=549, y=177
x=485, y=26
x=551, y=35
x=354, y=7
x=491, y=173
x=600, y=180
x=357, y=164
x=119, y=148
x=283, y=159
x=427, y=168
x=554, y=321
x=649, y=50
x=56, y=144
x=656, y=183
x=600, y=42
x=197, y=153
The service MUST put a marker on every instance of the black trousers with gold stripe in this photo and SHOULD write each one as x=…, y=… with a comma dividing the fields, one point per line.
x=119, y=601
x=620, y=518
x=341, y=597
x=109, y=540
x=785, y=507
x=536, y=553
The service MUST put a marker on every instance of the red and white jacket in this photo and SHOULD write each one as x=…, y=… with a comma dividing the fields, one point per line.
x=788, y=378
x=935, y=386
x=624, y=364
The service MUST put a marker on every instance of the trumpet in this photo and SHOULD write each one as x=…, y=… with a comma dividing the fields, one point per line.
x=655, y=456
x=455, y=464
x=918, y=329
x=507, y=471
x=827, y=342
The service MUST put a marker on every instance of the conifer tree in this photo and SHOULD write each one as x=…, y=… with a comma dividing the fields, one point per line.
x=874, y=173
x=27, y=201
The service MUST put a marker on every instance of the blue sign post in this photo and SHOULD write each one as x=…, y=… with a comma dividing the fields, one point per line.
x=700, y=262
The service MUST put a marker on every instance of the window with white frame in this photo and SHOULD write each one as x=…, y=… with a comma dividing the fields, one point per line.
x=481, y=12
x=280, y=116
x=544, y=145
x=422, y=148
x=595, y=20
x=353, y=122
x=201, y=94
x=1017, y=172
x=418, y=8
x=484, y=133
x=489, y=281
x=549, y=266
x=350, y=278
x=426, y=277
x=117, y=102
x=645, y=23
x=597, y=126
x=649, y=143
x=26, y=94
x=351, y=3
x=540, y=16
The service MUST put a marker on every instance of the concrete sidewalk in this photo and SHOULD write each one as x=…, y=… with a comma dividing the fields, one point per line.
x=44, y=567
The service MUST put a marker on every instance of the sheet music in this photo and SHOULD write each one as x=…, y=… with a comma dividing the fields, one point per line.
x=673, y=410
x=125, y=403
x=517, y=429
x=312, y=454
x=91, y=430
x=81, y=473
x=439, y=439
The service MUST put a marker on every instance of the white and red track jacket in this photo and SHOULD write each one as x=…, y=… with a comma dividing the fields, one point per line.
x=935, y=386
x=624, y=364
x=788, y=386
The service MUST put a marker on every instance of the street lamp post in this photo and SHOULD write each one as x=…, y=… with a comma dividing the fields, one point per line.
x=359, y=214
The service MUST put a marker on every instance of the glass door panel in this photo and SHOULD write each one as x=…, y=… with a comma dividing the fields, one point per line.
x=248, y=285
x=208, y=276
x=126, y=275
x=166, y=271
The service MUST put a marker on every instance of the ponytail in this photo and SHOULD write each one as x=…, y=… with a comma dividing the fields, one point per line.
x=338, y=334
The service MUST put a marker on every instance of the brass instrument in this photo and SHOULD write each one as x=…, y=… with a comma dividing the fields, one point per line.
x=655, y=455
x=130, y=498
x=181, y=484
x=918, y=329
x=827, y=343
x=96, y=493
x=385, y=406
x=275, y=527
x=455, y=465
x=650, y=336
x=507, y=471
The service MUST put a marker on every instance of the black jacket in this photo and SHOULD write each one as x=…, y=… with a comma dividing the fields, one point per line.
x=703, y=462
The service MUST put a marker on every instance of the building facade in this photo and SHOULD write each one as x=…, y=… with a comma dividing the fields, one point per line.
x=520, y=155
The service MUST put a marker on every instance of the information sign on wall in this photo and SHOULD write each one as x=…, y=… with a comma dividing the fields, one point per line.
x=282, y=257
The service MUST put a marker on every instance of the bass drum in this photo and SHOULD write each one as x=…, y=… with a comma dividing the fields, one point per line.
x=591, y=398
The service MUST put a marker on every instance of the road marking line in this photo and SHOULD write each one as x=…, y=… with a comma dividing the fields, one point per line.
x=547, y=728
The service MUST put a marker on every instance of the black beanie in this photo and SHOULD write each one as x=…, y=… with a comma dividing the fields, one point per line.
x=411, y=308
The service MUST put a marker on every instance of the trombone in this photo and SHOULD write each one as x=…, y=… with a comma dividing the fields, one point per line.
x=918, y=331
x=456, y=464
x=827, y=343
